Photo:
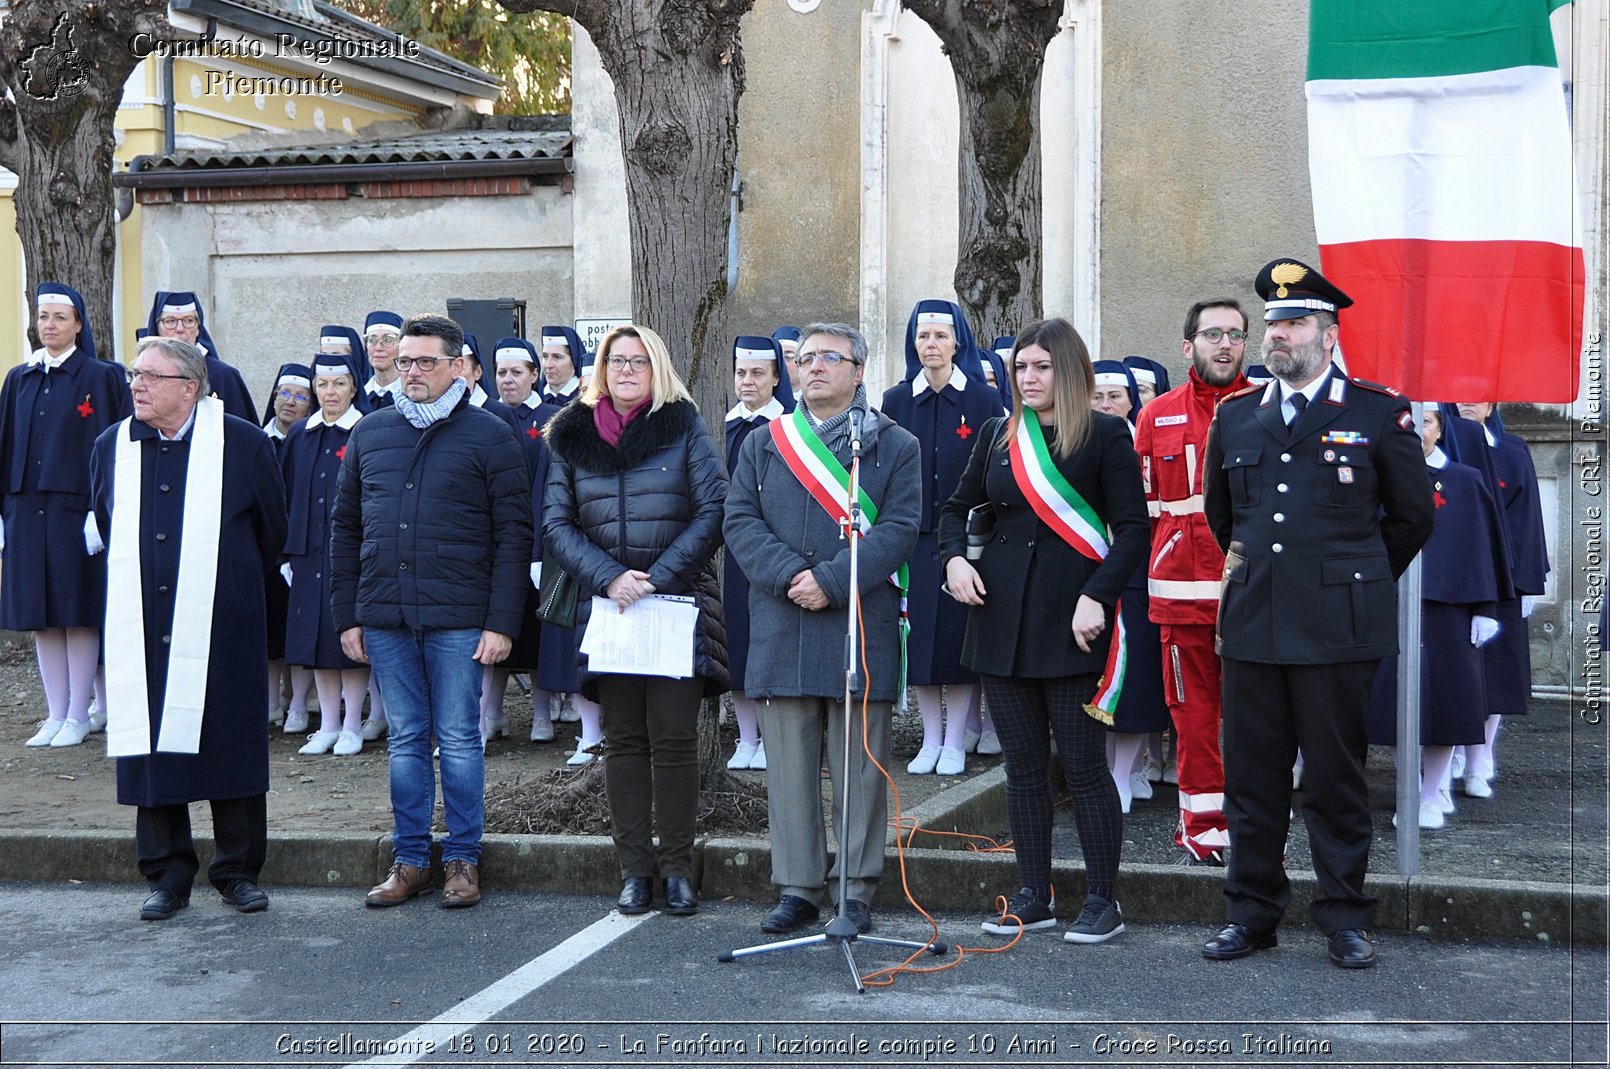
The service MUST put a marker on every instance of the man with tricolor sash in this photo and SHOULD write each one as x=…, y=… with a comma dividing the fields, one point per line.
x=193, y=510
x=788, y=528
x=1316, y=488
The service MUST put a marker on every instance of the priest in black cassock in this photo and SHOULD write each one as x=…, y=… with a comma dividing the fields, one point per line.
x=193, y=508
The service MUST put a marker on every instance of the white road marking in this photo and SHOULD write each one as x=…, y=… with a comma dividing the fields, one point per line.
x=484, y=1004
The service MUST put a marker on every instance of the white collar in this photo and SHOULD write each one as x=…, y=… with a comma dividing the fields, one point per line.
x=563, y=391
x=344, y=421
x=41, y=357
x=183, y=431
x=958, y=380
x=478, y=396
x=1437, y=458
x=272, y=429
x=1310, y=391
x=1488, y=431
x=532, y=401
x=770, y=410
x=374, y=389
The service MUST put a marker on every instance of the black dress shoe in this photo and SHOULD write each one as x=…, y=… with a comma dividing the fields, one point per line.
x=245, y=896
x=636, y=895
x=680, y=901
x=161, y=904
x=1237, y=941
x=1351, y=948
x=791, y=912
x=859, y=913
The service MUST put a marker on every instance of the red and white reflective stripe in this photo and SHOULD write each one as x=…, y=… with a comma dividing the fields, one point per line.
x=1188, y=506
x=1154, y=509
x=1191, y=474
x=1201, y=803
x=1209, y=840
x=1184, y=589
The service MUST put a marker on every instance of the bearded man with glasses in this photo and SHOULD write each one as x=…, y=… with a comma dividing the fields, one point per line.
x=1182, y=577
x=429, y=543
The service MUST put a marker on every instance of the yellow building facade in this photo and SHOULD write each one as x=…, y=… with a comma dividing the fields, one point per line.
x=234, y=69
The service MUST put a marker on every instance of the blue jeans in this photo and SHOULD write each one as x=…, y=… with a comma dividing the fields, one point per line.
x=432, y=684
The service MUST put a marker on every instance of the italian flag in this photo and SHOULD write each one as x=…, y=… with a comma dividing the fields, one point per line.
x=1444, y=195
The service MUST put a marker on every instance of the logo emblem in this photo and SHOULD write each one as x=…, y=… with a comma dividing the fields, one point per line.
x=1284, y=275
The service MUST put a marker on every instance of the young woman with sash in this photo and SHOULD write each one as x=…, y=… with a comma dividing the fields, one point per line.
x=1070, y=530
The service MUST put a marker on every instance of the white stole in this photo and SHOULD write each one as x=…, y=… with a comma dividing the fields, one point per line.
x=128, y=721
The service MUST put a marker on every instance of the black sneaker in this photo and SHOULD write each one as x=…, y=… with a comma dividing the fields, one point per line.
x=1025, y=913
x=1098, y=922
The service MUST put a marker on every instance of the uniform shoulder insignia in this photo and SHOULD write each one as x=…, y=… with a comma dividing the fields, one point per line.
x=1406, y=420
x=1377, y=387
x=1246, y=391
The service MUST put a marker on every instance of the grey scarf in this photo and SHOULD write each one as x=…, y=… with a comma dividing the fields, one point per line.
x=422, y=415
x=835, y=431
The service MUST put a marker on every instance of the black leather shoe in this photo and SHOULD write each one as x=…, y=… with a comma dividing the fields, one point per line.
x=161, y=904
x=791, y=912
x=1351, y=948
x=245, y=896
x=680, y=901
x=636, y=895
x=1237, y=941
x=859, y=913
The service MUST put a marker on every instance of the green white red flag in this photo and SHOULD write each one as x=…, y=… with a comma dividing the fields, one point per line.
x=1444, y=195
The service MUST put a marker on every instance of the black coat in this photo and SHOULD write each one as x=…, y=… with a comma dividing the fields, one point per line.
x=432, y=527
x=1315, y=531
x=653, y=503
x=1032, y=578
x=233, y=757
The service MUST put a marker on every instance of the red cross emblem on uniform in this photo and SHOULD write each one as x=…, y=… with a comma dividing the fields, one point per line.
x=533, y=431
x=86, y=410
x=1437, y=499
x=964, y=430
x=1502, y=485
x=341, y=454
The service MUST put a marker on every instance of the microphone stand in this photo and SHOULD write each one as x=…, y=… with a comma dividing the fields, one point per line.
x=842, y=930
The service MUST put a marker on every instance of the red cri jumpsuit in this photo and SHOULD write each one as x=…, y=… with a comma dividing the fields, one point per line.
x=1183, y=576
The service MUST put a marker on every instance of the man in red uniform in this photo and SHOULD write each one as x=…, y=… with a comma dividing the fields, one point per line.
x=1186, y=563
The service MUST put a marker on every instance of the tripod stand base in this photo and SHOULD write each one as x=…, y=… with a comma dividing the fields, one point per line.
x=845, y=941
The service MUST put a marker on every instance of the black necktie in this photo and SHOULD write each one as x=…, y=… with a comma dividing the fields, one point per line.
x=1299, y=401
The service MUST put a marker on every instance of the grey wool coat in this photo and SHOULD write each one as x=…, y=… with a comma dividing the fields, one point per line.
x=775, y=530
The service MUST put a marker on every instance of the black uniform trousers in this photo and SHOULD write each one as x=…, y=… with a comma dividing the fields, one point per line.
x=1270, y=710
x=166, y=854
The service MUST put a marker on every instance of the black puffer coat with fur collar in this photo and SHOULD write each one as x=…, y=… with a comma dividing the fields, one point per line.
x=653, y=503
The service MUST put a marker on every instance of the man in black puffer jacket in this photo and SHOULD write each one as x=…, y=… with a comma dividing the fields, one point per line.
x=429, y=544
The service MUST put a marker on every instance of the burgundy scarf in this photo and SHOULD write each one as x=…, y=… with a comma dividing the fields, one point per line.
x=610, y=423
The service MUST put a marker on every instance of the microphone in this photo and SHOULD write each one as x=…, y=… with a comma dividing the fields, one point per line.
x=855, y=431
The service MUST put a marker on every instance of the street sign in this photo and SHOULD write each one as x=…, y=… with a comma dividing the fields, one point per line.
x=592, y=331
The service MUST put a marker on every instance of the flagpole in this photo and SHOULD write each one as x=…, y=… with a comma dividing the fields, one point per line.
x=1408, y=682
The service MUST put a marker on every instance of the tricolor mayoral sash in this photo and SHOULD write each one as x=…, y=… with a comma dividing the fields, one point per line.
x=828, y=481
x=1066, y=512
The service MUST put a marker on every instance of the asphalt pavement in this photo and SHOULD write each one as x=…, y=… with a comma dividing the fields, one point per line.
x=555, y=979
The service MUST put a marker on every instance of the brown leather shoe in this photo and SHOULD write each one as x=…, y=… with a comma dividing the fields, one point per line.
x=402, y=883
x=463, y=886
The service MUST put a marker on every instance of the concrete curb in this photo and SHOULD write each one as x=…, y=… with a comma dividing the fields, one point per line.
x=941, y=879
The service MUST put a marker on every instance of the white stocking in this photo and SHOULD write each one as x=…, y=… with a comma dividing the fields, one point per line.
x=743, y=710
x=83, y=655
x=51, y=646
x=933, y=716
x=354, y=681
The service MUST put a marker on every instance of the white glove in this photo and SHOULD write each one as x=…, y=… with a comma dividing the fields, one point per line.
x=1528, y=603
x=536, y=575
x=92, y=536
x=1483, y=629
x=2, y=534
x=285, y=570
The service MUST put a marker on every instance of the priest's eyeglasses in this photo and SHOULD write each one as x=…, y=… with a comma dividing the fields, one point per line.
x=427, y=364
x=135, y=376
x=1215, y=334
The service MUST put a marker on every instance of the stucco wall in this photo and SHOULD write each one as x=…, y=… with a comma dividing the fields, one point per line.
x=275, y=272
x=1204, y=162
x=603, y=288
x=799, y=146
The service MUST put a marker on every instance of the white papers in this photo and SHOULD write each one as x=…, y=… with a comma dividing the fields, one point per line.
x=653, y=637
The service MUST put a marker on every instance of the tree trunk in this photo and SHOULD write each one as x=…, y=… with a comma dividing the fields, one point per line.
x=997, y=50
x=678, y=72
x=65, y=65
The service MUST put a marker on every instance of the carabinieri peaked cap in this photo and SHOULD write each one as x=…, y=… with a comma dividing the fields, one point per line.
x=1291, y=289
